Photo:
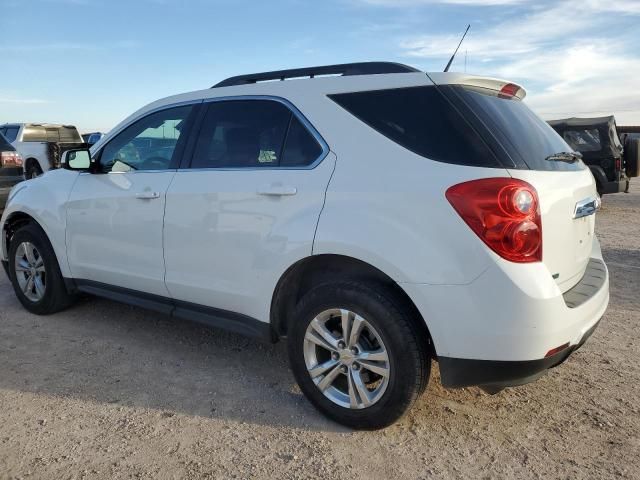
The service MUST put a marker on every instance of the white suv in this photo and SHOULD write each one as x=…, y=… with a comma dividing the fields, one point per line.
x=377, y=216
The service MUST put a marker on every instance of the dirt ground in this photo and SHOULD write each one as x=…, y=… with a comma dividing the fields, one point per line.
x=109, y=391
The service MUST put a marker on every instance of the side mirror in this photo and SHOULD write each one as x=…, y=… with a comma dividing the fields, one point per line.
x=76, y=160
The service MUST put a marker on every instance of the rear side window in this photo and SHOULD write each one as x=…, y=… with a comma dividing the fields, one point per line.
x=421, y=120
x=10, y=133
x=4, y=142
x=253, y=134
x=583, y=140
x=301, y=148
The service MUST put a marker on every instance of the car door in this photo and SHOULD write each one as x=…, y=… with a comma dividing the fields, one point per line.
x=115, y=214
x=247, y=206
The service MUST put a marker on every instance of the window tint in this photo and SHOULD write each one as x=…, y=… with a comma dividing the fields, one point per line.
x=10, y=133
x=4, y=143
x=583, y=140
x=421, y=120
x=301, y=149
x=527, y=139
x=243, y=133
x=148, y=144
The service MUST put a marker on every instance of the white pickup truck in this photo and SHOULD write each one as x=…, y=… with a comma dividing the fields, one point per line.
x=41, y=144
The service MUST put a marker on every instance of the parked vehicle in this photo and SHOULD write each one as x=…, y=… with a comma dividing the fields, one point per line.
x=41, y=144
x=10, y=169
x=92, y=138
x=376, y=216
x=597, y=139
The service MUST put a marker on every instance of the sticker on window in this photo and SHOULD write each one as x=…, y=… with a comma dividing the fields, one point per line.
x=267, y=156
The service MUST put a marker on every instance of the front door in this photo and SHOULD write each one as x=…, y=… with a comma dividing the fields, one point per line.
x=115, y=215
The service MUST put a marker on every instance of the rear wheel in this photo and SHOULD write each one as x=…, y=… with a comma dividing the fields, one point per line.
x=33, y=170
x=34, y=272
x=357, y=355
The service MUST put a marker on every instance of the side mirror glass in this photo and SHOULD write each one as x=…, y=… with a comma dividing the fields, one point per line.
x=76, y=160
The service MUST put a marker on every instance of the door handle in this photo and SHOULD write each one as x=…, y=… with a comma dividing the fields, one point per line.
x=277, y=190
x=147, y=195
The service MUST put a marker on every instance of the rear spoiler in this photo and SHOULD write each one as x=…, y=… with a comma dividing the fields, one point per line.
x=502, y=86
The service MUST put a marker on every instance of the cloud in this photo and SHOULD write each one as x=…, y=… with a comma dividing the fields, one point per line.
x=64, y=46
x=574, y=57
x=417, y=3
x=22, y=101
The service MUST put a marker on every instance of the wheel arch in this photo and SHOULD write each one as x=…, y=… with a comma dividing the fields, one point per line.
x=310, y=271
x=13, y=222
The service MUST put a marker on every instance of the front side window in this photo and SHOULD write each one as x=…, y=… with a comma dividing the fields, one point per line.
x=253, y=134
x=148, y=144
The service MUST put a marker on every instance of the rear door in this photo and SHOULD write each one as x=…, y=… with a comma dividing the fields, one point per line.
x=247, y=206
x=526, y=145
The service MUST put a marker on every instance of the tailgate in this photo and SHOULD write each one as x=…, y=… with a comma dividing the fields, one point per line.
x=566, y=240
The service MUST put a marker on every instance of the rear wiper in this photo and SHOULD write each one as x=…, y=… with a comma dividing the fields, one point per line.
x=568, y=157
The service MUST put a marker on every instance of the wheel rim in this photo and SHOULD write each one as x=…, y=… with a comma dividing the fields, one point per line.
x=30, y=271
x=346, y=358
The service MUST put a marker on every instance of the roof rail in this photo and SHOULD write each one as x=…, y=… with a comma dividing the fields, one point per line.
x=346, y=69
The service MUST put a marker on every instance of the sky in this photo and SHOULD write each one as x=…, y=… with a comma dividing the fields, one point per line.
x=91, y=63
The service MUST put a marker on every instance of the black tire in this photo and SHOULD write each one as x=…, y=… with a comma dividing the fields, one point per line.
x=409, y=360
x=55, y=296
x=33, y=170
x=632, y=156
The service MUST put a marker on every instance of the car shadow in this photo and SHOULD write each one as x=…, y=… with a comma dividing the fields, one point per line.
x=624, y=277
x=106, y=352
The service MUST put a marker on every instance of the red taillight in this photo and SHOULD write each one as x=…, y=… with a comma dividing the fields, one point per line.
x=10, y=159
x=509, y=91
x=553, y=351
x=618, y=164
x=504, y=213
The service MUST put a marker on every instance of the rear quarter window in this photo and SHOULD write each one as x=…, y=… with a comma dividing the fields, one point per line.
x=421, y=120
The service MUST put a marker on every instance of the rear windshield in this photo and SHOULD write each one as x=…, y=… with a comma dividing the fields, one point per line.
x=422, y=120
x=527, y=139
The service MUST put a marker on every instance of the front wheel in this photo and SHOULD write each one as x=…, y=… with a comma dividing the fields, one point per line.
x=357, y=354
x=34, y=272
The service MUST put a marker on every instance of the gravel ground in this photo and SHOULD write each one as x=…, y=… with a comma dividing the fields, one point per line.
x=110, y=391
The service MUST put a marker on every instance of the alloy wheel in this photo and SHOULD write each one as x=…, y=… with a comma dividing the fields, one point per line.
x=30, y=271
x=346, y=358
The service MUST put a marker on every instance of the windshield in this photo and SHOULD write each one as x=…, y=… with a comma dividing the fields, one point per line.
x=528, y=141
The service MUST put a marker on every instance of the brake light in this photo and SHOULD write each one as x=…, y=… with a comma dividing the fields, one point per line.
x=10, y=159
x=553, y=351
x=510, y=90
x=504, y=213
x=618, y=164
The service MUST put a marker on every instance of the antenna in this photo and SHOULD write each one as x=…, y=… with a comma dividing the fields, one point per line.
x=446, y=69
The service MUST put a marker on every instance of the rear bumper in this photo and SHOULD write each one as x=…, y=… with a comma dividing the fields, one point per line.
x=617, y=186
x=499, y=328
x=495, y=375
